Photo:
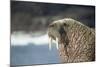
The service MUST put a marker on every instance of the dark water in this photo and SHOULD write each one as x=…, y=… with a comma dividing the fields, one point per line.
x=33, y=54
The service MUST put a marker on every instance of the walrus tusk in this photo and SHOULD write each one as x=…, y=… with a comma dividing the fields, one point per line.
x=50, y=42
x=56, y=42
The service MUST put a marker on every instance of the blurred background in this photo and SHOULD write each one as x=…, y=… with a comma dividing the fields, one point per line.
x=29, y=23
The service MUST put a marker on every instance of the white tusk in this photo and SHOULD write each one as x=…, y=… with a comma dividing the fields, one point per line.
x=50, y=42
x=56, y=42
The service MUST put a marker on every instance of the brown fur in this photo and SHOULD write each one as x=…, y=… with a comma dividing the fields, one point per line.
x=76, y=41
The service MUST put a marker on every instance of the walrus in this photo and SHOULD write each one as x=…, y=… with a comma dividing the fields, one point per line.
x=74, y=40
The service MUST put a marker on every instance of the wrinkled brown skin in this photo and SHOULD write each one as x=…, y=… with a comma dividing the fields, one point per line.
x=76, y=41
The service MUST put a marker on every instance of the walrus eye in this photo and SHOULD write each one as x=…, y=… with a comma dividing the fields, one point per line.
x=64, y=24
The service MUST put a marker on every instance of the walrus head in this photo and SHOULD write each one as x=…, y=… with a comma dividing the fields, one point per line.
x=57, y=31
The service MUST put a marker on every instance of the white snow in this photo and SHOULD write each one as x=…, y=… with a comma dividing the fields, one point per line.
x=24, y=39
